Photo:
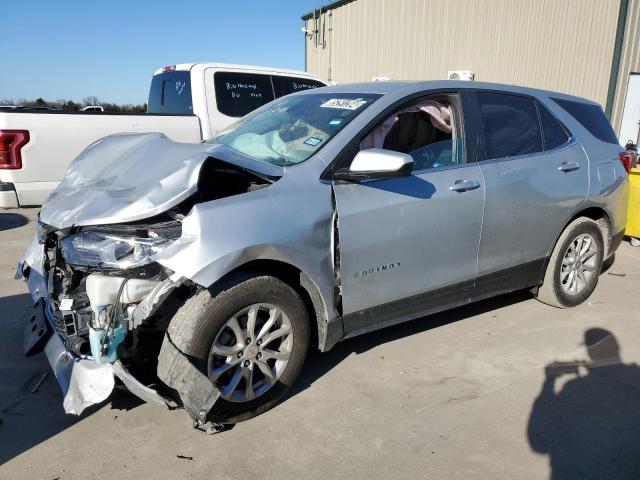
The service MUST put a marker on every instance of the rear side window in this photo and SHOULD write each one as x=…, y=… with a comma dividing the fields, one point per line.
x=170, y=93
x=590, y=117
x=240, y=93
x=554, y=134
x=510, y=125
x=286, y=85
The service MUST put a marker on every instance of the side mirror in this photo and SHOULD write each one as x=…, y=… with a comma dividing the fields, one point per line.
x=377, y=163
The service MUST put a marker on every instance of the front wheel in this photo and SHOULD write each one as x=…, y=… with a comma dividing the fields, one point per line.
x=575, y=265
x=250, y=338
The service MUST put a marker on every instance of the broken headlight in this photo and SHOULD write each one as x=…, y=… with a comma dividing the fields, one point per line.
x=93, y=248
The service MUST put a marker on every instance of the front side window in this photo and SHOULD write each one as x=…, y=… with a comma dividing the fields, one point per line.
x=428, y=130
x=291, y=129
x=510, y=125
x=239, y=93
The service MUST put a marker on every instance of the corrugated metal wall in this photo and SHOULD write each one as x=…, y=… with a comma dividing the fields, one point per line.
x=563, y=45
x=629, y=60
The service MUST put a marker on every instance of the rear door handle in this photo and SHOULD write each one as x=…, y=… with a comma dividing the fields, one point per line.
x=568, y=166
x=464, y=185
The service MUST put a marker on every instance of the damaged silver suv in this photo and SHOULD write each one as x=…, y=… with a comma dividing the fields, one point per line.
x=201, y=274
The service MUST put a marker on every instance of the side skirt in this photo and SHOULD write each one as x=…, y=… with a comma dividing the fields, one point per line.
x=511, y=279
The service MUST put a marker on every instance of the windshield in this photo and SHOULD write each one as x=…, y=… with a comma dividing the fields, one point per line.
x=289, y=130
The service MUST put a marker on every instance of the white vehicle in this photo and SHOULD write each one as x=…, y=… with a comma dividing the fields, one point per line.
x=92, y=108
x=187, y=102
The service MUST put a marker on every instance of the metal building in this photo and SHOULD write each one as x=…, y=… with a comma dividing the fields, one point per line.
x=589, y=48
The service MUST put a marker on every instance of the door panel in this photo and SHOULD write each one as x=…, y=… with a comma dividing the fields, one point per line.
x=528, y=200
x=406, y=236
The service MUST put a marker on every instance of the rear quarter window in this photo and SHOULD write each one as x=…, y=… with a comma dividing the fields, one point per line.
x=171, y=93
x=240, y=93
x=286, y=85
x=591, y=117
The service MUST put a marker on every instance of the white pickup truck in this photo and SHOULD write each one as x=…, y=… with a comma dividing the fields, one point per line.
x=187, y=102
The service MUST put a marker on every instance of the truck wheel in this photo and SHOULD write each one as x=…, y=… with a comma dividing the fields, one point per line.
x=250, y=337
x=574, y=266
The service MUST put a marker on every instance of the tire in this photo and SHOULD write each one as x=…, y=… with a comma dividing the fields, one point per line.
x=558, y=293
x=203, y=321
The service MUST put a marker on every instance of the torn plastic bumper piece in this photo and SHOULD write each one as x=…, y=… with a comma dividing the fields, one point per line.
x=197, y=393
x=84, y=382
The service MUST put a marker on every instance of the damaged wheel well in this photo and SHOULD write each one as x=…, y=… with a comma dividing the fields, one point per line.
x=297, y=280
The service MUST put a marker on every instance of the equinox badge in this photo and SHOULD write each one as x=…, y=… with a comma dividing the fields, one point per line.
x=379, y=268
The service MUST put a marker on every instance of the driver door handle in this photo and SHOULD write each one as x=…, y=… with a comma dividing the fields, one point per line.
x=568, y=166
x=464, y=185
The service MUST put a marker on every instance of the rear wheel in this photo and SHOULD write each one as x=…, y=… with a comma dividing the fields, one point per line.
x=574, y=266
x=250, y=338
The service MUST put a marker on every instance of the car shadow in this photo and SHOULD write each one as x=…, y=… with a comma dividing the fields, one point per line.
x=318, y=364
x=30, y=400
x=9, y=220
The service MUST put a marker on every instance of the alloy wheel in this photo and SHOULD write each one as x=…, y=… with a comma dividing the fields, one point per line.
x=579, y=264
x=250, y=352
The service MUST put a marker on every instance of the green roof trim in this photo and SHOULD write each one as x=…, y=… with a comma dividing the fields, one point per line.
x=331, y=6
x=617, y=53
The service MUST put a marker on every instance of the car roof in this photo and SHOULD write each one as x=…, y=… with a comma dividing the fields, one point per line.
x=410, y=87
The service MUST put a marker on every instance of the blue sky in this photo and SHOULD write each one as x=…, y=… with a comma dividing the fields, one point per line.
x=74, y=49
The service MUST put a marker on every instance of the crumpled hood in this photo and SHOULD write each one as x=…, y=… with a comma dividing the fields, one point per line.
x=129, y=177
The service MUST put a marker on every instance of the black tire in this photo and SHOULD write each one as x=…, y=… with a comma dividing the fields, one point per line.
x=551, y=291
x=196, y=324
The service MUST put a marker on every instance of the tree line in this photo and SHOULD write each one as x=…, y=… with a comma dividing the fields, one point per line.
x=71, y=106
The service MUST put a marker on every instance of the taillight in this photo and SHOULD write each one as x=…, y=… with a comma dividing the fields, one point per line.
x=625, y=158
x=11, y=143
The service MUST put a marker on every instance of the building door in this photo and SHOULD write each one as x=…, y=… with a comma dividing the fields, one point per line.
x=630, y=126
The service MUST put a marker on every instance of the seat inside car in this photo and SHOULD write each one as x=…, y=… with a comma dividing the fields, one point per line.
x=423, y=131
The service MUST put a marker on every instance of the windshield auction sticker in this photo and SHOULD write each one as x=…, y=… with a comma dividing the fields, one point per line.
x=344, y=103
x=312, y=141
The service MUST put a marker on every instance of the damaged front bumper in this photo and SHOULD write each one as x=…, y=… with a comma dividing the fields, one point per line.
x=86, y=380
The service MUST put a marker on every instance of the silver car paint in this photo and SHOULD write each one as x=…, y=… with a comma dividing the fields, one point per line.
x=291, y=220
x=528, y=202
x=405, y=236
